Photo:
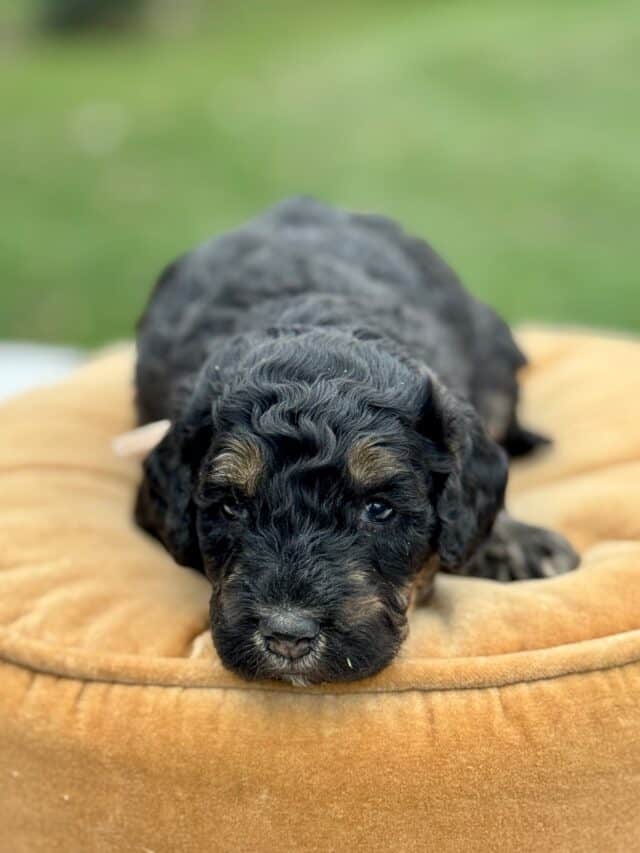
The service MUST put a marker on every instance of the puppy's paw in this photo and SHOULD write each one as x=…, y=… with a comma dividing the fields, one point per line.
x=517, y=551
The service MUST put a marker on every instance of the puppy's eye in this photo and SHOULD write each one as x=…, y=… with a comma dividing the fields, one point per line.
x=233, y=510
x=377, y=511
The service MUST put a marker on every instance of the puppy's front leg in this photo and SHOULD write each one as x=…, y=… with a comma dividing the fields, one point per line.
x=517, y=551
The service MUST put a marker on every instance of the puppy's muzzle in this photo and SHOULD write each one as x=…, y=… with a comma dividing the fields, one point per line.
x=288, y=633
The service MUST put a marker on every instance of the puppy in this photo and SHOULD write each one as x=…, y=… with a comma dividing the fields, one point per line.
x=342, y=412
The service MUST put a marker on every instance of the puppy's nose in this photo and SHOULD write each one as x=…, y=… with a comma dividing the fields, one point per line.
x=288, y=633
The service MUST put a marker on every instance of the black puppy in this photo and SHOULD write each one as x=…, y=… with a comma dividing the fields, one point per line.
x=340, y=411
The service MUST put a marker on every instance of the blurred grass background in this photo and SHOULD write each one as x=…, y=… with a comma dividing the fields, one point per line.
x=506, y=133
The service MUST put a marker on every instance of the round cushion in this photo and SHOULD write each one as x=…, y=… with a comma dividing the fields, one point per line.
x=510, y=720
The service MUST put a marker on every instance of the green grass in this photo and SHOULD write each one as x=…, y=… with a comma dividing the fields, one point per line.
x=508, y=134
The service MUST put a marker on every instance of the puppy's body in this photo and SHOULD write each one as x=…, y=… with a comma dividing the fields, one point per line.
x=305, y=265
x=337, y=401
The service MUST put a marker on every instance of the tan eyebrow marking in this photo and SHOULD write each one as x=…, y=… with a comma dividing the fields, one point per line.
x=239, y=464
x=371, y=464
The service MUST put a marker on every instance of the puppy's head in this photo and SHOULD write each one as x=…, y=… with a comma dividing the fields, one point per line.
x=312, y=489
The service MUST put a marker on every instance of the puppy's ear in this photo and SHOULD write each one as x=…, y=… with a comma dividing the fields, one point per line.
x=164, y=506
x=470, y=471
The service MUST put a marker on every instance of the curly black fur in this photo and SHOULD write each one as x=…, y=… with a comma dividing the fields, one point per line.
x=297, y=338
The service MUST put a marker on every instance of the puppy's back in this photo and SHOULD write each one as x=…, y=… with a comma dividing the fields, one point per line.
x=301, y=248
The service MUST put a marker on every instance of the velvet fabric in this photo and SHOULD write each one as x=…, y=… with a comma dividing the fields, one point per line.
x=510, y=721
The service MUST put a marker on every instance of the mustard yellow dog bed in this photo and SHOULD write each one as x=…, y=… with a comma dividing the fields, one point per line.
x=511, y=721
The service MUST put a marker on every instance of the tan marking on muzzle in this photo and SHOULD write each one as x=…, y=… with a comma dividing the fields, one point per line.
x=363, y=607
x=371, y=464
x=239, y=465
x=422, y=584
x=364, y=603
